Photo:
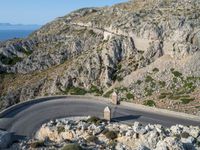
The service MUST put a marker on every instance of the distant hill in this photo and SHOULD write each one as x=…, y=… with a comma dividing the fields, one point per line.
x=8, y=26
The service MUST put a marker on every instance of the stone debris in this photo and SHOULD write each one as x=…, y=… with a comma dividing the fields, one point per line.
x=97, y=134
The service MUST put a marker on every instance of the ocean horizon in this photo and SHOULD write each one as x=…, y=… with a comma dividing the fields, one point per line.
x=11, y=34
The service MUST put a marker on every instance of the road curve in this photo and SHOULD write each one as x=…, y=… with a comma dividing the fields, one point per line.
x=25, y=120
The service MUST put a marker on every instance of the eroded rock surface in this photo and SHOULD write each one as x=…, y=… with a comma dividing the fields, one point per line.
x=140, y=48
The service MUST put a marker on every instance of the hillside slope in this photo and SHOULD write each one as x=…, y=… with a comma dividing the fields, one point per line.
x=146, y=50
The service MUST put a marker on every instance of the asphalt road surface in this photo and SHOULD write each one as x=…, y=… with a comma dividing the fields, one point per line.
x=25, y=121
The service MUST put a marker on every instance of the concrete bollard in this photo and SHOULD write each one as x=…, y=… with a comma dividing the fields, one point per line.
x=107, y=114
x=114, y=98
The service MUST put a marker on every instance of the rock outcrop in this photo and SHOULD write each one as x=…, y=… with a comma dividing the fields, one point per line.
x=142, y=49
x=94, y=133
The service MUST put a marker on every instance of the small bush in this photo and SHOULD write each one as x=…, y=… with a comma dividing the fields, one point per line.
x=162, y=96
x=174, y=97
x=72, y=147
x=95, y=89
x=155, y=70
x=150, y=103
x=149, y=79
x=112, y=144
x=75, y=91
x=162, y=83
x=187, y=100
x=37, y=144
x=94, y=120
x=92, y=139
x=60, y=129
x=105, y=131
x=185, y=135
x=177, y=74
x=129, y=96
x=111, y=135
x=9, y=61
x=108, y=93
x=119, y=78
x=138, y=82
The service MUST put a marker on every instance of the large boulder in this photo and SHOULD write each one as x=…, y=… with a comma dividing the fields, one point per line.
x=5, y=139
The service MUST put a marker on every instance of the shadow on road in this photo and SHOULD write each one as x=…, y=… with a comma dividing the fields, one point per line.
x=126, y=118
x=17, y=138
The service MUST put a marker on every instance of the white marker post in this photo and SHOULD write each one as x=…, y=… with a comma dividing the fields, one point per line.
x=107, y=114
x=114, y=98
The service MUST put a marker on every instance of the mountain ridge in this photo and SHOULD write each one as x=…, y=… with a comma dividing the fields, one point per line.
x=148, y=51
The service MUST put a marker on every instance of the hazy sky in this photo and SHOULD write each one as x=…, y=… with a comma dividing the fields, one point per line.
x=43, y=11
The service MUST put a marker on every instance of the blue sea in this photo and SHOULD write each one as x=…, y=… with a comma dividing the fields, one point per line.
x=10, y=34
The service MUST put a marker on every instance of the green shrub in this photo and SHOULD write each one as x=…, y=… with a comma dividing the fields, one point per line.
x=148, y=91
x=162, y=83
x=72, y=147
x=138, y=82
x=94, y=120
x=187, y=100
x=9, y=61
x=60, y=129
x=92, y=139
x=129, y=96
x=162, y=96
x=149, y=79
x=75, y=91
x=155, y=70
x=95, y=89
x=150, y=103
x=177, y=74
x=108, y=93
x=119, y=78
x=37, y=144
x=198, y=143
x=112, y=144
x=185, y=135
x=111, y=135
x=174, y=97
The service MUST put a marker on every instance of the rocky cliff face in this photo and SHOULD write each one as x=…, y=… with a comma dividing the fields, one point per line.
x=143, y=49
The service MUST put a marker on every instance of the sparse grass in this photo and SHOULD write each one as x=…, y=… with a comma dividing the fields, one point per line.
x=150, y=103
x=174, y=97
x=72, y=147
x=112, y=144
x=186, y=100
x=92, y=139
x=95, y=89
x=111, y=135
x=75, y=91
x=37, y=144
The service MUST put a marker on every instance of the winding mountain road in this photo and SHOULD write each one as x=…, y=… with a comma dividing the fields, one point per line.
x=25, y=119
